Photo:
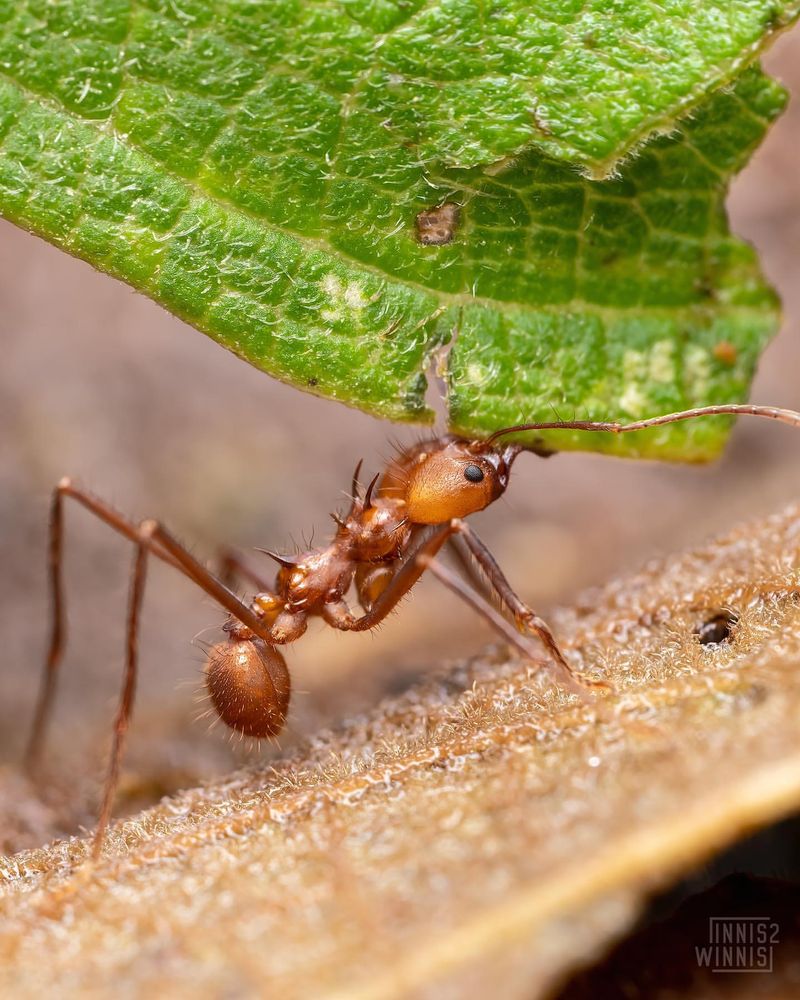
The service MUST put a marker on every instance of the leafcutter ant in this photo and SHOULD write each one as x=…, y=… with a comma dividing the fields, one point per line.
x=391, y=534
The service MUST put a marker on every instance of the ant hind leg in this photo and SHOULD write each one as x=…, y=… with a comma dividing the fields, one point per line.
x=150, y=538
x=55, y=649
x=122, y=720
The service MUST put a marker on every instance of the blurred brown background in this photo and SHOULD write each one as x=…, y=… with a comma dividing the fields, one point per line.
x=100, y=383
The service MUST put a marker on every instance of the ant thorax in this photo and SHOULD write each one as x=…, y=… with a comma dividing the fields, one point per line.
x=379, y=532
x=375, y=531
x=316, y=577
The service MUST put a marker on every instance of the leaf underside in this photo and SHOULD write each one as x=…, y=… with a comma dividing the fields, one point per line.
x=263, y=170
x=480, y=835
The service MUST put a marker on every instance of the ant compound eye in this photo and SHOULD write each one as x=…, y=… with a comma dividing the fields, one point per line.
x=474, y=473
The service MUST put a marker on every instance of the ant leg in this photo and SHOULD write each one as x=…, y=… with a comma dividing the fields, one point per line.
x=409, y=571
x=57, y=620
x=135, y=595
x=525, y=618
x=466, y=563
x=232, y=566
x=56, y=645
x=479, y=604
x=422, y=557
x=338, y=615
x=148, y=532
x=407, y=574
x=150, y=538
x=161, y=544
x=371, y=581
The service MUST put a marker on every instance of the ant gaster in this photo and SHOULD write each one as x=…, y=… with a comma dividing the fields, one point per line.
x=387, y=539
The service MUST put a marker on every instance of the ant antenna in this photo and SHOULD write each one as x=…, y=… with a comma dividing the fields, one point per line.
x=614, y=427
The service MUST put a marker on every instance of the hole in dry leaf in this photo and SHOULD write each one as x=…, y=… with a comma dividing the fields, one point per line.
x=718, y=628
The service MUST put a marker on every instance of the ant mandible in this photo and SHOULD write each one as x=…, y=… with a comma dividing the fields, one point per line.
x=387, y=539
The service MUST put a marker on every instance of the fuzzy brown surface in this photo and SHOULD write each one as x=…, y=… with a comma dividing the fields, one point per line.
x=483, y=831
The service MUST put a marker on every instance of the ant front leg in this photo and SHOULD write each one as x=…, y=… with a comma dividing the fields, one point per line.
x=479, y=604
x=402, y=580
x=465, y=561
x=524, y=617
x=414, y=564
x=422, y=557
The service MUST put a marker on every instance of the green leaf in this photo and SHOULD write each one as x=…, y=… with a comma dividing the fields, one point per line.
x=647, y=306
x=266, y=171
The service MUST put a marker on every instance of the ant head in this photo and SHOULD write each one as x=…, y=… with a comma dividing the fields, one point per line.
x=456, y=479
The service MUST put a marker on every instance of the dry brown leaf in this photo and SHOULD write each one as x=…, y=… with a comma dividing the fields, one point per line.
x=481, y=832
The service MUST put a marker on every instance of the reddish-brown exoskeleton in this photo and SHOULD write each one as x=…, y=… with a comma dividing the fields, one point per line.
x=387, y=539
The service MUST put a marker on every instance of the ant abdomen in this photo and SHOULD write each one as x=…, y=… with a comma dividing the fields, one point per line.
x=249, y=686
